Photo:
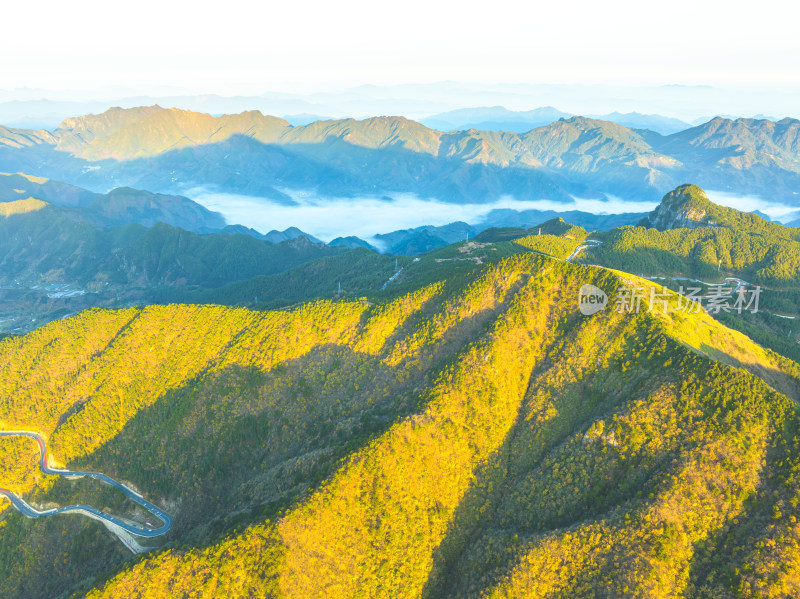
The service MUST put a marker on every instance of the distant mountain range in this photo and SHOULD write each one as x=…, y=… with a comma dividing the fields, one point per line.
x=174, y=151
x=42, y=108
x=498, y=118
x=494, y=118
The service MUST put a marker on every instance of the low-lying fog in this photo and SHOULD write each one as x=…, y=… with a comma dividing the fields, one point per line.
x=749, y=203
x=328, y=218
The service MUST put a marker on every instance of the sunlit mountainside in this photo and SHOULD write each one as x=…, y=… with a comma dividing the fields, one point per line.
x=474, y=436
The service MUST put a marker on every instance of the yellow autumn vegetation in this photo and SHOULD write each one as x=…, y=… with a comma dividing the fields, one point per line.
x=485, y=440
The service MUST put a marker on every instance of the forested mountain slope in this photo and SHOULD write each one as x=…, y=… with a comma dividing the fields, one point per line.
x=120, y=206
x=688, y=234
x=476, y=436
x=690, y=242
x=54, y=262
x=47, y=246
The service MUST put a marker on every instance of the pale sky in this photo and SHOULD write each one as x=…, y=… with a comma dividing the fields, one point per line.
x=238, y=47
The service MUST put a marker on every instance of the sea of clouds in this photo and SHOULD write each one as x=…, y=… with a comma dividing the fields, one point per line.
x=364, y=217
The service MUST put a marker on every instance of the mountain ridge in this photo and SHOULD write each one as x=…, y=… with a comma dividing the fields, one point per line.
x=401, y=448
x=120, y=206
x=165, y=149
x=495, y=118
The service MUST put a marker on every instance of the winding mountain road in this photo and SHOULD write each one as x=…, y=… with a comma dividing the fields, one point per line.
x=88, y=510
x=739, y=282
x=587, y=243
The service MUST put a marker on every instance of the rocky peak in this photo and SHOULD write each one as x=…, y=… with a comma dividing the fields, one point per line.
x=685, y=207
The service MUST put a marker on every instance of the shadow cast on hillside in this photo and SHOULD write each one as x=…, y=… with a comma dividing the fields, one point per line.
x=486, y=536
x=338, y=168
x=240, y=444
x=333, y=167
